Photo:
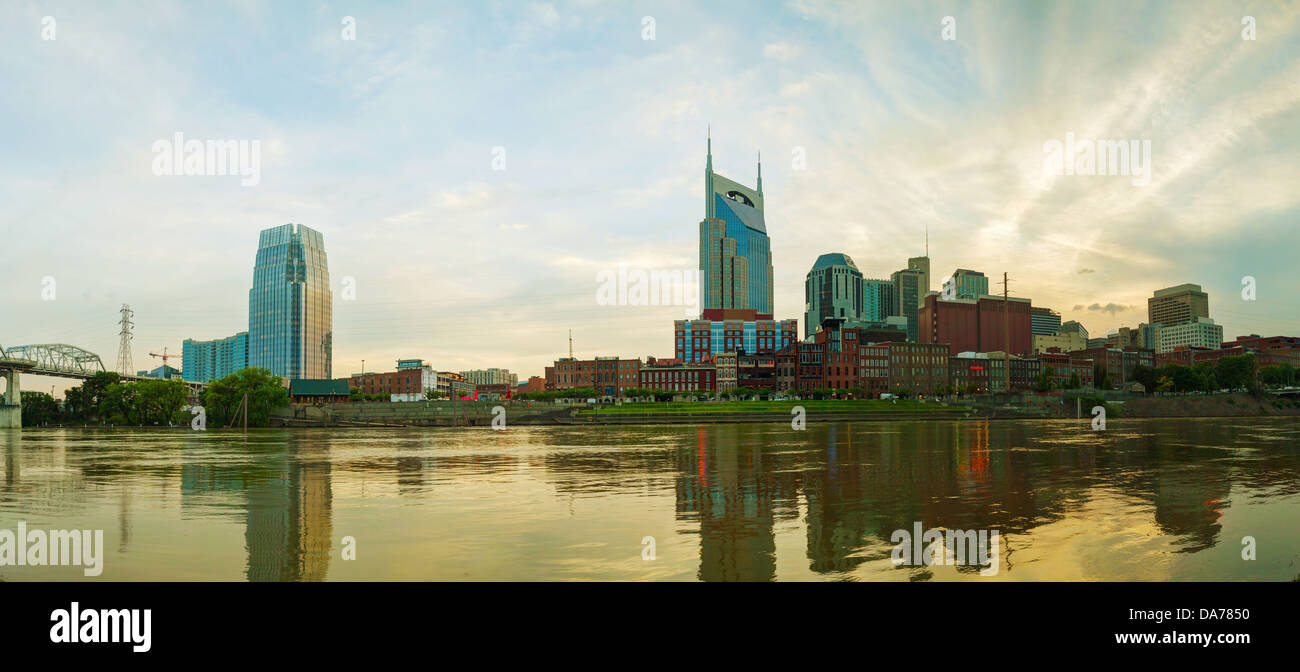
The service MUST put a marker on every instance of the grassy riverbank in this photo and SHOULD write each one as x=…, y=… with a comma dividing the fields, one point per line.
x=812, y=406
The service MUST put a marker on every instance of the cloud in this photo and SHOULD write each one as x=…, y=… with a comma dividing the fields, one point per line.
x=780, y=51
x=1086, y=270
x=1111, y=308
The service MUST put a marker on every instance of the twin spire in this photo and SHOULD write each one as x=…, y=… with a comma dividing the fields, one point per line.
x=708, y=165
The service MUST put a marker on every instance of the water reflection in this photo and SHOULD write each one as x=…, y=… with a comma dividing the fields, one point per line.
x=727, y=502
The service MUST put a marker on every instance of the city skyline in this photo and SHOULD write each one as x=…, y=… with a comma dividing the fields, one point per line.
x=897, y=129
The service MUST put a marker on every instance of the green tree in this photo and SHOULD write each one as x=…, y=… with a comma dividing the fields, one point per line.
x=1044, y=382
x=39, y=409
x=160, y=401
x=1145, y=375
x=1074, y=383
x=265, y=393
x=117, y=404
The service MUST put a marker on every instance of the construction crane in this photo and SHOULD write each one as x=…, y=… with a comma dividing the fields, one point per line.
x=164, y=356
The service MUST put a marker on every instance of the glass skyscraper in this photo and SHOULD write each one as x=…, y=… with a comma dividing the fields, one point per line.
x=290, y=307
x=833, y=288
x=878, y=299
x=735, y=253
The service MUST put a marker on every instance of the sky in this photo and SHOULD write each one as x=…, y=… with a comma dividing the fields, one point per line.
x=475, y=167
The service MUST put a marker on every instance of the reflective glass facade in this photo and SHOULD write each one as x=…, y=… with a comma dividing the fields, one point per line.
x=290, y=306
x=735, y=253
x=206, y=361
x=878, y=300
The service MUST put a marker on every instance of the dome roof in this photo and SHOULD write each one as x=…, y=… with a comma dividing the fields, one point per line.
x=834, y=259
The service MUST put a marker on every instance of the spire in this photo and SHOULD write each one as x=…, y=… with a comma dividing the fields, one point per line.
x=760, y=172
x=709, y=162
x=708, y=177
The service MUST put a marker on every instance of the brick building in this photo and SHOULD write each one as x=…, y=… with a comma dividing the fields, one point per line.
x=609, y=376
x=674, y=375
x=977, y=325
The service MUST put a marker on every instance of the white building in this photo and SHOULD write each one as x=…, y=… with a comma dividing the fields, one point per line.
x=1203, y=332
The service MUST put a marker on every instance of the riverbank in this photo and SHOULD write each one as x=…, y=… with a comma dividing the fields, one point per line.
x=471, y=413
x=522, y=413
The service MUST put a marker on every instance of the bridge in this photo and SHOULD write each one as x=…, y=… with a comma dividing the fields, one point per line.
x=59, y=360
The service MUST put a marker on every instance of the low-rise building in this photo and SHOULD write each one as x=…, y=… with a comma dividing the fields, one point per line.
x=674, y=375
x=1063, y=342
x=609, y=376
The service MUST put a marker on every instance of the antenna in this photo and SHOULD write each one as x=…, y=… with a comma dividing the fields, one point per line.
x=927, y=240
x=570, y=344
x=124, y=362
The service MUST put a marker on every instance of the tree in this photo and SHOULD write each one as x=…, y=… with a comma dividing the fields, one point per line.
x=158, y=402
x=1074, y=383
x=1145, y=375
x=117, y=404
x=39, y=409
x=1044, y=382
x=1101, y=375
x=1236, y=372
x=438, y=394
x=265, y=393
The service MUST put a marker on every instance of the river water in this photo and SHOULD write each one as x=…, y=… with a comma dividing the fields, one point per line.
x=1148, y=500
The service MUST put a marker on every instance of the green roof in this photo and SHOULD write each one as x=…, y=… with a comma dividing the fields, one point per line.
x=308, y=387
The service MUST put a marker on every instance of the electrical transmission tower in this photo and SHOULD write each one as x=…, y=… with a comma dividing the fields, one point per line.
x=124, y=363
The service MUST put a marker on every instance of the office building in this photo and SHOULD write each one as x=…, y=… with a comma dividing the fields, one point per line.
x=735, y=253
x=206, y=361
x=922, y=267
x=493, y=376
x=833, y=288
x=1044, y=321
x=1178, y=304
x=966, y=284
x=877, y=299
x=909, y=289
x=1199, y=333
x=1067, y=342
x=290, y=323
x=1073, y=327
x=722, y=331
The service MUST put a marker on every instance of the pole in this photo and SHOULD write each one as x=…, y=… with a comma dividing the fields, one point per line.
x=1006, y=332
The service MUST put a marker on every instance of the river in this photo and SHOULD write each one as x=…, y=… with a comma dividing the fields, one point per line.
x=1146, y=500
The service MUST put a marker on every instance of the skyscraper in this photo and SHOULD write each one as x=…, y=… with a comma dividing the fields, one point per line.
x=290, y=306
x=908, y=292
x=878, y=299
x=922, y=267
x=735, y=253
x=833, y=288
x=1178, y=304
